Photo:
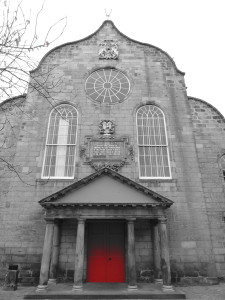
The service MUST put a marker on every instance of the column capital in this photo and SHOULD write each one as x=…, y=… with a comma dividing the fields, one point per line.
x=57, y=221
x=49, y=221
x=130, y=219
x=81, y=220
x=162, y=220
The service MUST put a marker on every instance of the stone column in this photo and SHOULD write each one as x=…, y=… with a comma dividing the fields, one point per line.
x=132, y=277
x=46, y=256
x=165, y=258
x=79, y=255
x=156, y=254
x=55, y=253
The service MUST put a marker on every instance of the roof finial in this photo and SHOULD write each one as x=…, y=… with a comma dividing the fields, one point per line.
x=108, y=14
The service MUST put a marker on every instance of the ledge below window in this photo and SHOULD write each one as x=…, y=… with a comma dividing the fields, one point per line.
x=161, y=180
x=41, y=180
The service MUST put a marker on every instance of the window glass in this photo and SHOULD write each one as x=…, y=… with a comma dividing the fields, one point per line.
x=152, y=143
x=107, y=86
x=59, y=161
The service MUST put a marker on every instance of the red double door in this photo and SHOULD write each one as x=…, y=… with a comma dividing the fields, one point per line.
x=106, y=261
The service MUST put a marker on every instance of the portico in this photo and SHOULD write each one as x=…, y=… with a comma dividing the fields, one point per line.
x=108, y=197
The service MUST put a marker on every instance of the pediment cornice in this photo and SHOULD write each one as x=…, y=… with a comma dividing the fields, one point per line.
x=159, y=200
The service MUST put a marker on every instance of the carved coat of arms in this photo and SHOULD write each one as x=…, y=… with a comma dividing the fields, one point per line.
x=108, y=50
x=107, y=150
x=106, y=127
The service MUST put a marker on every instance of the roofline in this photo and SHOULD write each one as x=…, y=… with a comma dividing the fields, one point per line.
x=210, y=105
x=89, y=36
x=13, y=98
x=108, y=171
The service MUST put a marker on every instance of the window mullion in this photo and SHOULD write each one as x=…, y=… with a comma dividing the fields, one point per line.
x=162, y=167
x=153, y=151
x=51, y=156
x=58, y=143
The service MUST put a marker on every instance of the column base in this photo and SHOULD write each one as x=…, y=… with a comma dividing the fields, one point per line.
x=77, y=287
x=158, y=281
x=52, y=281
x=41, y=288
x=132, y=287
x=167, y=288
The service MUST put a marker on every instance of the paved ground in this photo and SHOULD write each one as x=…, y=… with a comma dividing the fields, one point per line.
x=213, y=292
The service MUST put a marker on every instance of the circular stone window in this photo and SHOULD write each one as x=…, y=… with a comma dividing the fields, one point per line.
x=107, y=86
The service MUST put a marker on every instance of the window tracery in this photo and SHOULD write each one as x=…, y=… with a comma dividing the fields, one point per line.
x=59, y=160
x=152, y=143
x=108, y=86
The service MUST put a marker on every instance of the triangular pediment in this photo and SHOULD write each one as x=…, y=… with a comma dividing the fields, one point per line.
x=105, y=187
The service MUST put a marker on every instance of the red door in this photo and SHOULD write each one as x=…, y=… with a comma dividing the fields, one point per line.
x=106, y=252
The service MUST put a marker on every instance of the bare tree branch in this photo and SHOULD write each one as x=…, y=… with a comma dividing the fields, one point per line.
x=19, y=39
x=17, y=45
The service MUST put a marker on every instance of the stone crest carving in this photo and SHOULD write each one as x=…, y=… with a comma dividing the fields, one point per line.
x=108, y=50
x=107, y=150
x=106, y=127
x=115, y=166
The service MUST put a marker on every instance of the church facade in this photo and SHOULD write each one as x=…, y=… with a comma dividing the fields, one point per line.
x=115, y=174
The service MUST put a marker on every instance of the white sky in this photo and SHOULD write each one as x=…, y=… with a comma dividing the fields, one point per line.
x=190, y=31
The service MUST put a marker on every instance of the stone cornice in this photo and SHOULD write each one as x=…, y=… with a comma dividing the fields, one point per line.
x=208, y=104
x=15, y=98
x=51, y=204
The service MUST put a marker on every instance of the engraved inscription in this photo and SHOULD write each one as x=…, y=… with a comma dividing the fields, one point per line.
x=106, y=149
x=100, y=153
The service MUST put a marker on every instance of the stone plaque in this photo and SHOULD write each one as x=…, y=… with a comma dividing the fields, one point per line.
x=107, y=149
x=112, y=153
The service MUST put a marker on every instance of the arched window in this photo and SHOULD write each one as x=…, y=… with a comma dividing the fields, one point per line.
x=222, y=164
x=59, y=160
x=152, y=143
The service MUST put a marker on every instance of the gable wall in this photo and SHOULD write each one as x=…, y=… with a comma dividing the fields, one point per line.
x=209, y=128
x=154, y=80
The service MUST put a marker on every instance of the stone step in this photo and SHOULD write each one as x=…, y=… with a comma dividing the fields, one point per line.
x=100, y=291
x=104, y=297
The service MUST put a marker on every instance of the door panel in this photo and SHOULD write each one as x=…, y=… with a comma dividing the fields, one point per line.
x=106, y=252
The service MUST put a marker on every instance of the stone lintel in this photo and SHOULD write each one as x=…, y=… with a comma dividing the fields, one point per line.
x=90, y=212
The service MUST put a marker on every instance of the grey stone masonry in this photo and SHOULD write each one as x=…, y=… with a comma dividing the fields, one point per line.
x=196, y=140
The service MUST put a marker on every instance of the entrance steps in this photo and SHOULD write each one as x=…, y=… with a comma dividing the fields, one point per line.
x=98, y=291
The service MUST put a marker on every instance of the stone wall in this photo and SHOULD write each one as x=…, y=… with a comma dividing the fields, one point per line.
x=195, y=136
x=209, y=128
x=68, y=234
x=143, y=251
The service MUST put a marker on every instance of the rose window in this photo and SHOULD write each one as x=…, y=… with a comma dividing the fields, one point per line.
x=107, y=86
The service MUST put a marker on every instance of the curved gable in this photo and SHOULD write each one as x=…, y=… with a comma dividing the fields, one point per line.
x=205, y=104
x=204, y=113
x=14, y=100
x=105, y=23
